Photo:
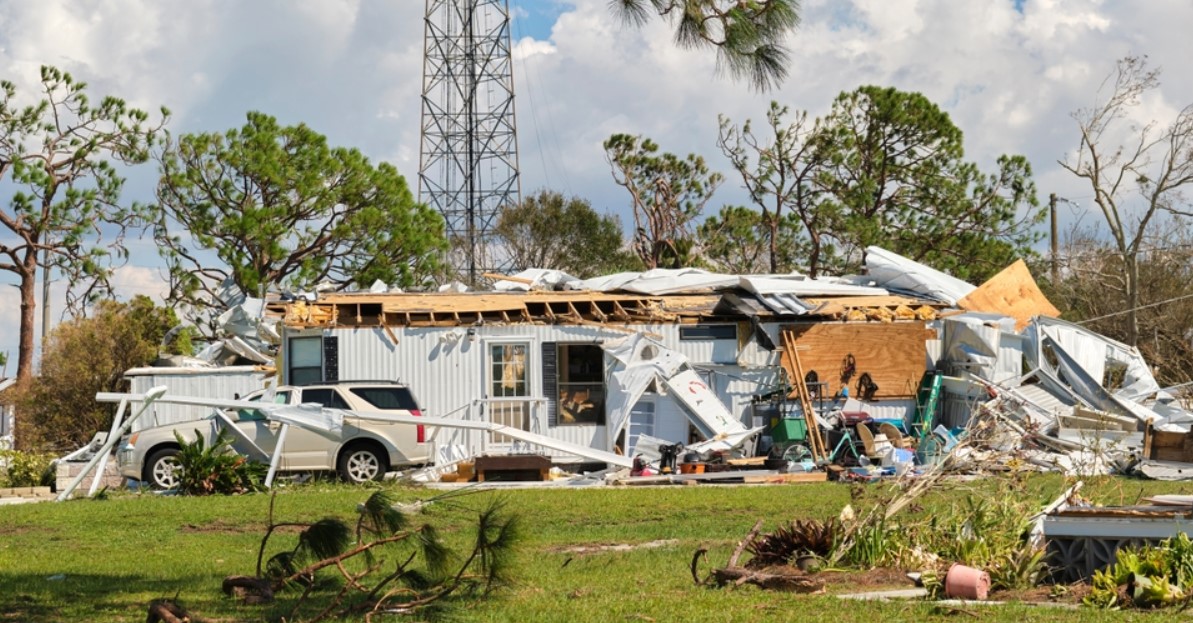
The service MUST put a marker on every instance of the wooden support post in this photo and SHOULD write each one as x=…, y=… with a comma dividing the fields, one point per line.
x=791, y=363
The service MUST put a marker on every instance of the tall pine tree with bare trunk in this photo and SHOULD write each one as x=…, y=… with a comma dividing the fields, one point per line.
x=60, y=155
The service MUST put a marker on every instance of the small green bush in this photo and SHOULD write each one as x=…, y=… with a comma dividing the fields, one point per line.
x=1152, y=576
x=208, y=470
x=26, y=469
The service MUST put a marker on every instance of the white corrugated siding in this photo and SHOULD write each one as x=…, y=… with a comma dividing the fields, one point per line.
x=224, y=383
x=445, y=368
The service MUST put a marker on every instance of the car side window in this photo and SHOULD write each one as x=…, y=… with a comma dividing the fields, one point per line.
x=327, y=397
x=387, y=398
x=250, y=415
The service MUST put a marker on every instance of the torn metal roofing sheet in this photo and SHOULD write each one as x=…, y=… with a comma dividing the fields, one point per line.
x=661, y=281
x=895, y=272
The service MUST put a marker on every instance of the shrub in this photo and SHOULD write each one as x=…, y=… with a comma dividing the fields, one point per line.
x=26, y=469
x=82, y=357
x=208, y=470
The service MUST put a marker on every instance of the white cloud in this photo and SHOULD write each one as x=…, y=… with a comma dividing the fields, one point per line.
x=353, y=71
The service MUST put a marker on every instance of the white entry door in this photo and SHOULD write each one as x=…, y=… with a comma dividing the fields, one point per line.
x=509, y=402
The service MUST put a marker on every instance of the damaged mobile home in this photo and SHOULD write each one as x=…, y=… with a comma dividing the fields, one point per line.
x=897, y=367
x=709, y=361
x=679, y=356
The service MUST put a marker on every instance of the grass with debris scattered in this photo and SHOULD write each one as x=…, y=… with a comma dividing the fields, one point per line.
x=590, y=554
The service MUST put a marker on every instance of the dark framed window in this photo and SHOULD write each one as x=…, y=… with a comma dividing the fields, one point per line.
x=580, y=384
x=306, y=360
x=708, y=332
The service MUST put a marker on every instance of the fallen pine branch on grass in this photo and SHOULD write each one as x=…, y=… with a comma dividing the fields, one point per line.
x=777, y=578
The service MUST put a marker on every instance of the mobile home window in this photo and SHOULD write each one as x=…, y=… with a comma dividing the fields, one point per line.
x=708, y=332
x=306, y=360
x=580, y=383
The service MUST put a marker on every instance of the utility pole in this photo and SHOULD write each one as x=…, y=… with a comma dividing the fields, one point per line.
x=1055, y=265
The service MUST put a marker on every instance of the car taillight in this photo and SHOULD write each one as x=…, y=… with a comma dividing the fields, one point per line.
x=422, y=430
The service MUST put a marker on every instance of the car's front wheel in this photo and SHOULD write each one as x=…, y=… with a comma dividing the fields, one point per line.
x=162, y=470
x=362, y=462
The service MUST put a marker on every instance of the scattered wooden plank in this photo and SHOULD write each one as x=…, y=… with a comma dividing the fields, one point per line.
x=787, y=478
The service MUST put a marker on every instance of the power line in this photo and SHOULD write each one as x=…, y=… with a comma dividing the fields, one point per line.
x=1127, y=311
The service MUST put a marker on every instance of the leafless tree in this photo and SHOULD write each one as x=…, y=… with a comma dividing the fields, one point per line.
x=1137, y=173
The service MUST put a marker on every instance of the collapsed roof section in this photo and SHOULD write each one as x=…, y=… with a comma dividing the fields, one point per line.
x=538, y=296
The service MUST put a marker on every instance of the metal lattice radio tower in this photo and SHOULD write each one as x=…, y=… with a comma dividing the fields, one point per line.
x=469, y=152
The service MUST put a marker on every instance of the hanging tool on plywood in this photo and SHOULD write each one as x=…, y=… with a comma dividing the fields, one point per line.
x=848, y=368
x=866, y=387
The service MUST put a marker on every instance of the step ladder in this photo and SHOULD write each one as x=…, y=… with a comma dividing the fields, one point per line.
x=926, y=399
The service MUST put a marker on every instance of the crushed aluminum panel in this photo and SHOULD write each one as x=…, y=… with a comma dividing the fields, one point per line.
x=1105, y=439
x=708, y=413
x=786, y=304
x=660, y=281
x=971, y=343
x=632, y=364
x=536, y=278
x=1042, y=403
x=1091, y=391
x=1092, y=352
x=895, y=272
x=1166, y=470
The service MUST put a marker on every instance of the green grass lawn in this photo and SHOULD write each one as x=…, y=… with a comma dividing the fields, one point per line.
x=104, y=560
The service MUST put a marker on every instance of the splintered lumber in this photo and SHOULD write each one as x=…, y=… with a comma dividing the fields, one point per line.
x=893, y=353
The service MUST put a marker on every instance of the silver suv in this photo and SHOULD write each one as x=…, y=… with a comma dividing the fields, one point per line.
x=362, y=450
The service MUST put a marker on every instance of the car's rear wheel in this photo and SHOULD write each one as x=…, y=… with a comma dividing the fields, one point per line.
x=362, y=462
x=162, y=471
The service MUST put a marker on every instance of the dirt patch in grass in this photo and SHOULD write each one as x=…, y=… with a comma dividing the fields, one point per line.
x=27, y=529
x=223, y=527
x=611, y=547
x=851, y=581
x=1061, y=594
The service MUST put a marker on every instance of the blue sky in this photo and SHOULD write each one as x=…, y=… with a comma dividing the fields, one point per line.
x=1008, y=73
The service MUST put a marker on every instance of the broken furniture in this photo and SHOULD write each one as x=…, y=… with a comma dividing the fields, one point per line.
x=512, y=467
x=894, y=436
x=872, y=451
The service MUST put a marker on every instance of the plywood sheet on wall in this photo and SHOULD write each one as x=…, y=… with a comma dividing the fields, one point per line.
x=893, y=353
